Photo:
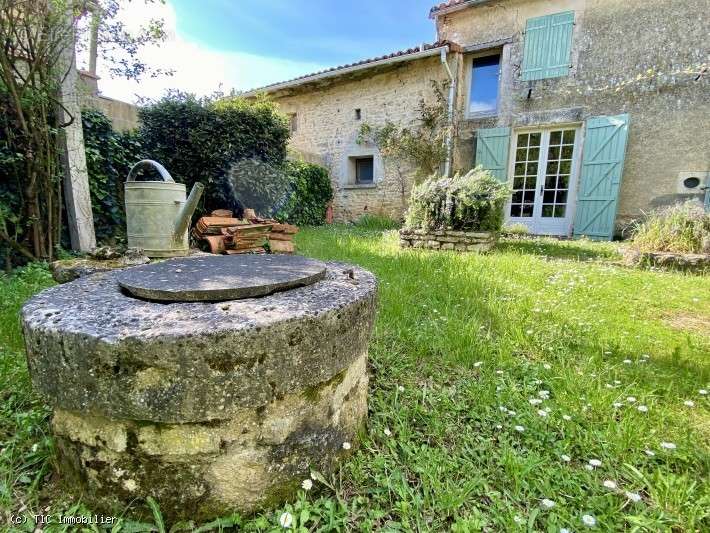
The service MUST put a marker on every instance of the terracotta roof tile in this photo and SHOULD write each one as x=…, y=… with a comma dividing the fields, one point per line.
x=449, y=4
x=398, y=53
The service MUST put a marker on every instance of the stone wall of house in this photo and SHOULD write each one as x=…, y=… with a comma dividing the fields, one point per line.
x=636, y=57
x=327, y=131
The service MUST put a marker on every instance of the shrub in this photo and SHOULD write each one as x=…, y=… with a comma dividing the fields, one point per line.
x=473, y=201
x=682, y=228
x=310, y=193
x=109, y=157
x=204, y=139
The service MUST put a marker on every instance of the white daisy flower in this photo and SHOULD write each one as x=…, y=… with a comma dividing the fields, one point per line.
x=567, y=418
x=35, y=447
x=703, y=392
x=306, y=484
x=649, y=453
x=589, y=521
x=512, y=413
x=594, y=463
x=631, y=399
x=642, y=408
x=609, y=386
x=542, y=412
x=565, y=458
x=286, y=520
x=617, y=404
x=564, y=530
x=535, y=401
x=589, y=467
x=478, y=363
x=547, y=503
x=645, y=356
x=617, y=382
x=519, y=429
x=627, y=361
x=547, y=366
x=544, y=394
x=499, y=372
x=537, y=382
x=668, y=445
x=400, y=388
x=529, y=332
x=498, y=426
x=633, y=496
x=609, y=484
x=503, y=409
x=518, y=519
x=689, y=403
x=387, y=432
x=346, y=445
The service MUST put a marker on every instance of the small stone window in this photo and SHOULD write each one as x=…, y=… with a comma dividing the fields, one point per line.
x=364, y=169
x=293, y=122
x=358, y=114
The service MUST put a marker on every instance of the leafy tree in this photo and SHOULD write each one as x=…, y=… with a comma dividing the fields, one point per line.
x=37, y=40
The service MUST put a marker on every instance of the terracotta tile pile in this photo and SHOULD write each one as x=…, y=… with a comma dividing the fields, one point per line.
x=224, y=234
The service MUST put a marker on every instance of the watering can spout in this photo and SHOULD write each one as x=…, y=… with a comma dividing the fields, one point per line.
x=183, y=219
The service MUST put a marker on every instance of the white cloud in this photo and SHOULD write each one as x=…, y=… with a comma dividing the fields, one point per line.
x=197, y=68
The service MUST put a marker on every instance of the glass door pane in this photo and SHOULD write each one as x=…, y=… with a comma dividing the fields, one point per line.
x=527, y=157
x=558, y=169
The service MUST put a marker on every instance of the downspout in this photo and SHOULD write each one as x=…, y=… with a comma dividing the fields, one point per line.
x=450, y=113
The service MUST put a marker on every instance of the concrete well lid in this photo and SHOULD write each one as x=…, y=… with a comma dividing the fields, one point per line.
x=220, y=277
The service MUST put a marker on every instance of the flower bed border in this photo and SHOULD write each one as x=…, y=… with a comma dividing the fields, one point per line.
x=698, y=263
x=462, y=241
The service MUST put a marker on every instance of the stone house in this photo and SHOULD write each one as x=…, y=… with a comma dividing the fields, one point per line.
x=593, y=111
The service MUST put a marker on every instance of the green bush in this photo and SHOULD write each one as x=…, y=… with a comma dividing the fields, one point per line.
x=682, y=228
x=473, y=201
x=310, y=193
x=109, y=157
x=204, y=140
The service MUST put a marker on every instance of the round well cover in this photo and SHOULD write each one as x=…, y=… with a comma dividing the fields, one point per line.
x=220, y=277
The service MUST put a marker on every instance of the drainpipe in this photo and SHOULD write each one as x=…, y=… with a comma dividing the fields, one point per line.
x=450, y=113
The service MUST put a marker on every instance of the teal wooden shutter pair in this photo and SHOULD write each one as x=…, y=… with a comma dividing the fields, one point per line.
x=548, y=41
x=492, y=151
x=600, y=177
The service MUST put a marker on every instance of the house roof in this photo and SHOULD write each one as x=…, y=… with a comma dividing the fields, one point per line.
x=409, y=54
x=453, y=5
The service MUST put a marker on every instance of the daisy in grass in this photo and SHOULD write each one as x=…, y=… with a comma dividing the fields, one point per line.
x=609, y=484
x=668, y=446
x=535, y=401
x=346, y=445
x=642, y=408
x=689, y=403
x=565, y=458
x=566, y=418
x=633, y=496
x=519, y=429
x=306, y=484
x=589, y=521
x=547, y=503
x=286, y=519
x=594, y=463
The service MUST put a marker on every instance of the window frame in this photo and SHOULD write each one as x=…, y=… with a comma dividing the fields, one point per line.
x=498, y=51
x=356, y=161
x=293, y=122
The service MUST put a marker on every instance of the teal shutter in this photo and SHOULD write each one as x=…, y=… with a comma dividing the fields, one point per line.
x=548, y=42
x=492, y=151
x=600, y=178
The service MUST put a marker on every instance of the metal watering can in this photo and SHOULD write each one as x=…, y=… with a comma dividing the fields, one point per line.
x=157, y=214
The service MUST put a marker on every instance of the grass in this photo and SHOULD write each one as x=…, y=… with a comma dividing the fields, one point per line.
x=462, y=344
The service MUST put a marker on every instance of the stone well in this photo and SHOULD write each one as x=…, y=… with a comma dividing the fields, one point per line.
x=207, y=406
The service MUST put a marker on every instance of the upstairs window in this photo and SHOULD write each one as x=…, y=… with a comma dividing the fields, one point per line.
x=364, y=169
x=483, y=93
x=548, y=43
x=293, y=122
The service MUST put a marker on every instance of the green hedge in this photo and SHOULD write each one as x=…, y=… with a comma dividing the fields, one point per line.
x=202, y=140
x=109, y=157
x=473, y=201
x=310, y=193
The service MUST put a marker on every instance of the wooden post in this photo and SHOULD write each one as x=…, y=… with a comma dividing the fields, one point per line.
x=76, y=178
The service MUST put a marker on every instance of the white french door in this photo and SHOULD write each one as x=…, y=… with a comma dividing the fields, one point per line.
x=543, y=175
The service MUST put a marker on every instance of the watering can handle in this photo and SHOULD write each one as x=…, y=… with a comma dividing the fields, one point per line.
x=150, y=163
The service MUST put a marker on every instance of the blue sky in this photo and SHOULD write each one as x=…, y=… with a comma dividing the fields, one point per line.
x=319, y=31
x=244, y=44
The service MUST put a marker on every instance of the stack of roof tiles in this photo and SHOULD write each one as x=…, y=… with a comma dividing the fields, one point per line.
x=224, y=234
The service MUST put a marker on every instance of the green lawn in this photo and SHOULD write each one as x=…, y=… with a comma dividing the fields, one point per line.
x=462, y=435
